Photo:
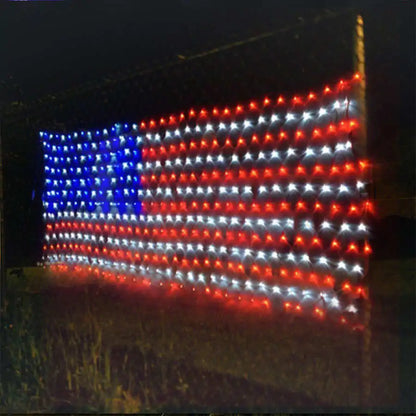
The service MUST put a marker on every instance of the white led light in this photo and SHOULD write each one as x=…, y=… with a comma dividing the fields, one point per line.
x=362, y=227
x=352, y=309
x=292, y=187
x=325, y=150
x=291, y=151
x=274, y=154
x=342, y=265
x=323, y=260
x=309, y=152
x=308, y=187
x=291, y=257
x=276, y=188
x=291, y=291
x=276, y=289
x=325, y=189
x=307, y=225
x=357, y=269
x=290, y=223
x=305, y=258
x=343, y=188
x=325, y=225
x=345, y=227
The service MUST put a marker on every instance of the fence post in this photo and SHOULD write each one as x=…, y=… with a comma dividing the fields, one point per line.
x=359, y=65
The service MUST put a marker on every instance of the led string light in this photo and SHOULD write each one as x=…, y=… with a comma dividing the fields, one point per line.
x=233, y=299
x=122, y=231
x=307, y=297
x=231, y=231
x=261, y=209
x=136, y=224
x=201, y=137
x=342, y=88
x=195, y=250
x=244, y=175
x=269, y=140
x=269, y=190
x=278, y=234
x=267, y=157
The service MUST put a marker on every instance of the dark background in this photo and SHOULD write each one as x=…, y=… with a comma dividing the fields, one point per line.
x=67, y=43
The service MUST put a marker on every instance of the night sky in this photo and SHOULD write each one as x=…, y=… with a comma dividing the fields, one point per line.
x=53, y=45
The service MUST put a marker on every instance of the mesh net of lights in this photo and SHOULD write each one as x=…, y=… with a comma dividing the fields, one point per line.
x=262, y=203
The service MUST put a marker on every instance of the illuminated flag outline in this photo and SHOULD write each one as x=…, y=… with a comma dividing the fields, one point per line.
x=264, y=201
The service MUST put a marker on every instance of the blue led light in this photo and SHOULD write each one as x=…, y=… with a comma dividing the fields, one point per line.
x=91, y=173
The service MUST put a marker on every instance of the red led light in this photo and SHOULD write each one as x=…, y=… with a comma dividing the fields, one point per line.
x=367, y=248
x=335, y=245
x=299, y=134
x=296, y=100
x=316, y=133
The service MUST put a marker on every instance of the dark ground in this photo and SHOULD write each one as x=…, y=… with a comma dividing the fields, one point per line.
x=95, y=347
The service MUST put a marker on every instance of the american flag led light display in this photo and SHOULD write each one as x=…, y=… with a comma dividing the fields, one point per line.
x=263, y=202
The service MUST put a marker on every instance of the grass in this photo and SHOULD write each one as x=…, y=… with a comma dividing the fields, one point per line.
x=94, y=347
